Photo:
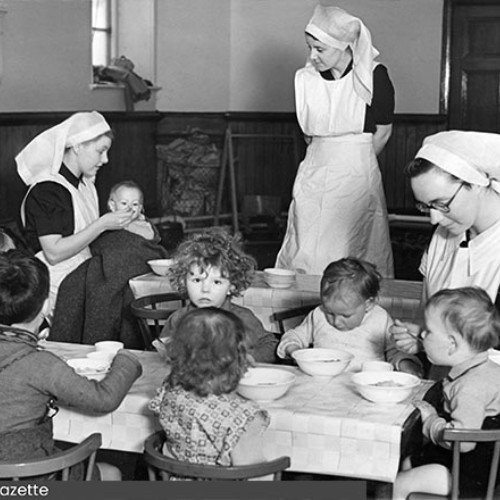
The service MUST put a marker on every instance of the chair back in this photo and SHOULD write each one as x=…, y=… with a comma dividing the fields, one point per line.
x=290, y=318
x=162, y=467
x=458, y=436
x=151, y=312
x=59, y=462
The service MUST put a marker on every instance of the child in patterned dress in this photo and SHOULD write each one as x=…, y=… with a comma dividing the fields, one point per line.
x=210, y=268
x=348, y=318
x=205, y=420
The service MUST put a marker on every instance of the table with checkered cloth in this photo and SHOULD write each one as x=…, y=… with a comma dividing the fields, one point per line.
x=323, y=425
x=401, y=298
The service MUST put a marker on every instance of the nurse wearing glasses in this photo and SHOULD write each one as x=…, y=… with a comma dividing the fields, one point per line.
x=455, y=178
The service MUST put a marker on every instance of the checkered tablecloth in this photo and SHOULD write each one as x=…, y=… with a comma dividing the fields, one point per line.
x=323, y=425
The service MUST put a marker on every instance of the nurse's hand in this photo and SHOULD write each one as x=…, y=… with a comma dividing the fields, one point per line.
x=118, y=219
x=405, y=336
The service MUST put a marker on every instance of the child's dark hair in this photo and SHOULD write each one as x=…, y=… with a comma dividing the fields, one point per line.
x=208, y=352
x=356, y=275
x=125, y=184
x=470, y=312
x=213, y=248
x=24, y=287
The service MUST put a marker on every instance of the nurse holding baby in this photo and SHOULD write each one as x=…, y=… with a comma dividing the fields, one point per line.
x=60, y=212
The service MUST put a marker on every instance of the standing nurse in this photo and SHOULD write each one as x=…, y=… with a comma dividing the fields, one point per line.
x=60, y=212
x=345, y=104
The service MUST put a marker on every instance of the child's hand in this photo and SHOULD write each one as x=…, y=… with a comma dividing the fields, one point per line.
x=426, y=409
x=291, y=348
x=161, y=349
x=251, y=361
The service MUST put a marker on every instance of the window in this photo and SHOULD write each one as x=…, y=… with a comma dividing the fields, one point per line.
x=124, y=28
x=102, y=32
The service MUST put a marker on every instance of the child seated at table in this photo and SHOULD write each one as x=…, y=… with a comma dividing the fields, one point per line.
x=461, y=325
x=128, y=195
x=205, y=420
x=348, y=318
x=33, y=379
x=211, y=268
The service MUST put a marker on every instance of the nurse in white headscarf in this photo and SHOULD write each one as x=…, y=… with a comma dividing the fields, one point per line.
x=60, y=212
x=455, y=179
x=345, y=105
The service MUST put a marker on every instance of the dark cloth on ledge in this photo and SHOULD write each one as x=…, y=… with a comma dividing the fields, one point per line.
x=93, y=302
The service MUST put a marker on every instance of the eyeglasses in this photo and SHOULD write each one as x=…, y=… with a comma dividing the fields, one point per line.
x=437, y=205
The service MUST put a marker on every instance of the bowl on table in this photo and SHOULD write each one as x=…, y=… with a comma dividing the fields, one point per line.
x=320, y=362
x=494, y=355
x=279, y=278
x=90, y=368
x=160, y=266
x=385, y=387
x=265, y=384
x=109, y=346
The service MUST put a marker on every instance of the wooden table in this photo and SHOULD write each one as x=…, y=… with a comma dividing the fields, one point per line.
x=323, y=425
x=401, y=298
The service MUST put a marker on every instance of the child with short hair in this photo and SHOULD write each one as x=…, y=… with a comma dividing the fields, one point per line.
x=461, y=325
x=128, y=195
x=205, y=420
x=32, y=379
x=348, y=318
x=210, y=268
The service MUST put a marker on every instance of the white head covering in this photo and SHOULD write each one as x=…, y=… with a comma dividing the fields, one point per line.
x=473, y=157
x=43, y=155
x=337, y=28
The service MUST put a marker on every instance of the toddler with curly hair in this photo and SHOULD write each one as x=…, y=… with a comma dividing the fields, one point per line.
x=210, y=268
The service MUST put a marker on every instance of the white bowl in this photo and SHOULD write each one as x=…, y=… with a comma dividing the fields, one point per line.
x=90, y=368
x=320, y=362
x=279, y=278
x=494, y=355
x=109, y=346
x=160, y=266
x=385, y=387
x=104, y=356
x=265, y=384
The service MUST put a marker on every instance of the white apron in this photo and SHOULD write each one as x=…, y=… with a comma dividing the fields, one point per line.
x=86, y=211
x=338, y=207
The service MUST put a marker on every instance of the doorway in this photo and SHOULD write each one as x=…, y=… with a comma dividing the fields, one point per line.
x=472, y=61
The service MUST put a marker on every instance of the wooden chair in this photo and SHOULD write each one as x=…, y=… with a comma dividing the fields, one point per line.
x=458, y=436
x=151, y=312
x=160, y=466
x=59, y=462
x=296, y=313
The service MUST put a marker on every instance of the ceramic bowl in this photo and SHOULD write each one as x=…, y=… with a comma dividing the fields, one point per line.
x=160, y=266
x=109, y=346
x=385, y=387
x=265, y=384
x=279, y=278
x=104, y=356
x=494, y=355
x=320, y=362
x=90, y=368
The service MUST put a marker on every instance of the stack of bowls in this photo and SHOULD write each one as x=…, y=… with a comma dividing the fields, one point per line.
x=279, y=278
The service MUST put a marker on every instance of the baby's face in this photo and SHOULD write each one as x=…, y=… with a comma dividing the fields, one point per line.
x=126, y=198
x=345, y=311
x=437, y=337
